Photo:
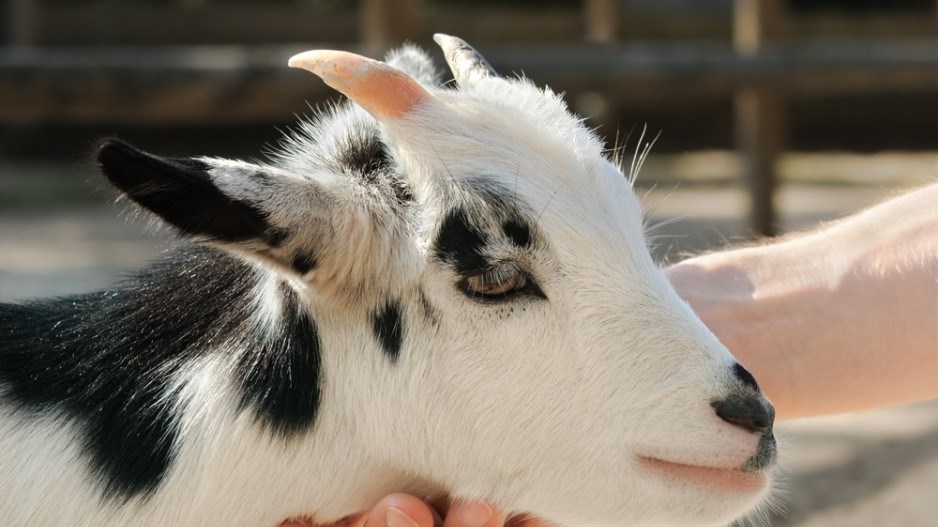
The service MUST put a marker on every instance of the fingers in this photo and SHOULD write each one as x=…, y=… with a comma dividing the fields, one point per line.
x=473, y=514
x=402, y=510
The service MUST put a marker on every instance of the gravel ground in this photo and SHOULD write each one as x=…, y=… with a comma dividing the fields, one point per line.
x=873, y=469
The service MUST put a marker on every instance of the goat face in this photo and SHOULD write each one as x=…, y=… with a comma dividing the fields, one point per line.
x=492, y=323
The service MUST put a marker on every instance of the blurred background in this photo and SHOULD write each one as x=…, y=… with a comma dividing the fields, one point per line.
x=767, y=116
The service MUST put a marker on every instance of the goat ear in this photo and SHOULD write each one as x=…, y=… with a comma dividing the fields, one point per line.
x=181, y=191
x=385, y=92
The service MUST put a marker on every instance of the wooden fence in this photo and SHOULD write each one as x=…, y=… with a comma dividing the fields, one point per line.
x=119, y=74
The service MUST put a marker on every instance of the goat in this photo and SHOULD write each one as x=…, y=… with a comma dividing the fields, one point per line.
x=462, y=257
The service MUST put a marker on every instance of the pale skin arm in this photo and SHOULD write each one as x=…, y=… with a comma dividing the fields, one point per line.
x=840, y=319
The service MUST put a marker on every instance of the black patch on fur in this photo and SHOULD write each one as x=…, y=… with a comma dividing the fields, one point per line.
x=280, y=376
x=366, y=156
x=388, y=324
x=504, y=204
x=105, y=361
x=275, y=237
x=745, y=377
x=428, y=310
x=303, y=262
x=181, y=192
x=517, y=232
x=460, y=244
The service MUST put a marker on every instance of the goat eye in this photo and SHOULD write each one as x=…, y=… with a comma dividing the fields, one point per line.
x=495, y=283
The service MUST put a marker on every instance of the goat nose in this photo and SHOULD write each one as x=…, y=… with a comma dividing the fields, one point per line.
x=750, y=412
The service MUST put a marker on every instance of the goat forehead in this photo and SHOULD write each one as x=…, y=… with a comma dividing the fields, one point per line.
x=494, y=133
x=490, y=126
x=576, y=200
x=501, y=151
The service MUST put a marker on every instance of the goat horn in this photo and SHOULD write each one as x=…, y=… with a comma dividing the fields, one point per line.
x=383, y=91
x=467, y=64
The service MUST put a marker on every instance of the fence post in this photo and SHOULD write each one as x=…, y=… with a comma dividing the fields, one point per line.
x=21, y=17
x=760, y=124
x=386, y=23
x=602, y=20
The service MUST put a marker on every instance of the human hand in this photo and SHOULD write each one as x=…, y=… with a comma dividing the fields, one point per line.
x=403, y=510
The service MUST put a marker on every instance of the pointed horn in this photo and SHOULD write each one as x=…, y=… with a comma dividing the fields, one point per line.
x=383, y=91
x=465, y=62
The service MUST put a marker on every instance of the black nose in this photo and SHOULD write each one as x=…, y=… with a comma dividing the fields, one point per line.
x=750, y=412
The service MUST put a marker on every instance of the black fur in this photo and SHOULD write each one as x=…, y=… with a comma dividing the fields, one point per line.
x=745, y=377
x=364, y=155
x=388, y=324
x=105, y=362
x=281, y=376
x=428, y=310
x=181, y=192
x=517, y=231
x=303, y=262
x=460, y=244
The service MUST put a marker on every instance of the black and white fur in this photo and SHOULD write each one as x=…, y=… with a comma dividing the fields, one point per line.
x=319, y=344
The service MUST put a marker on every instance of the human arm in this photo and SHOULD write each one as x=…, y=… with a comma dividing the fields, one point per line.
x=839, y=319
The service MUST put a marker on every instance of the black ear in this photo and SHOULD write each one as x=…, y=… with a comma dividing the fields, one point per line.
x=181, y=191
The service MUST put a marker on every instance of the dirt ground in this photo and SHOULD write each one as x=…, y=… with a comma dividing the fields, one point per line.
x=872, y=469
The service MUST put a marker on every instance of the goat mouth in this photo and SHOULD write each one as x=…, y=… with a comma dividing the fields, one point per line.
x=716, y=478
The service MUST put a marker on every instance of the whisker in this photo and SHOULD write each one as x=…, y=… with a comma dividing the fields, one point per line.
x=632, y=172
x=644, y=156
x=549, y=200
x=442, y=162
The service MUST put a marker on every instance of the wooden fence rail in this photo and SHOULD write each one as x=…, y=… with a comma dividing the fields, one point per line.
x=231, y=84
x=577, y=51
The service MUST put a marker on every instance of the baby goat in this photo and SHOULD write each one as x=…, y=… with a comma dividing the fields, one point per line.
x=464, y=257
